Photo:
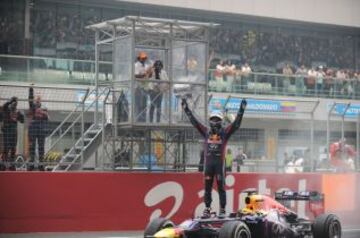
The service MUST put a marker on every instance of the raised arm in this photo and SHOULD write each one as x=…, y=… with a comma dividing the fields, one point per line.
x=31, y=99
x=230, y=129
x=198, y=125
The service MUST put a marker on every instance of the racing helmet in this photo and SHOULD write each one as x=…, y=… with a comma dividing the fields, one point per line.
x=216, y=114
x=216, y=119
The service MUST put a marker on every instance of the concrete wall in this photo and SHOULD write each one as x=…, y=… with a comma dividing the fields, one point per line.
x=337, y=12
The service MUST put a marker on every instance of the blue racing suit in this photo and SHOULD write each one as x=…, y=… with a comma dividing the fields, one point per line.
x=214, y=153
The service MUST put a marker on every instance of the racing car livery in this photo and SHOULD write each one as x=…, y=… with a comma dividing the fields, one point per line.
x=262, y=217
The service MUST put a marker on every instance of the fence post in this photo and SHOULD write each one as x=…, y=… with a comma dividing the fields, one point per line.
x=328, y=131
x=82, y=133
x=104, y=121
x=312, y=164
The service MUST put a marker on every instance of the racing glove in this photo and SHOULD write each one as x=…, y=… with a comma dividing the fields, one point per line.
x=242, y=106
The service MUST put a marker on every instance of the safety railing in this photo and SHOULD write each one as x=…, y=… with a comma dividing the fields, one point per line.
x=52, y=70
x=70, y=71
x=286, y=85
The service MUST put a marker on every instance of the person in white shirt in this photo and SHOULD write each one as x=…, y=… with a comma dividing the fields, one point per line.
x=339, y=81
x=143, y=71
x=157, y=89
x=245, y=73
x=220, y=67
x=245, y=70
x=310, y=83
x=230, y=71
x=287, y=80
x=219, y=75
x=300, y=80
x=319, y=80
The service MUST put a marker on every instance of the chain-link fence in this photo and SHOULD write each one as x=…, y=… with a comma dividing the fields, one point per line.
x=32, y=121
x=342, y=137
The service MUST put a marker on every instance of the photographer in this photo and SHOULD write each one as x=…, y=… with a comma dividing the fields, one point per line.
x=11, y=116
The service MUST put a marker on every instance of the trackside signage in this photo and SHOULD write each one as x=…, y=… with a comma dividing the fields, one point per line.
x=232, y=105
x=66, y=202
x=352, y=110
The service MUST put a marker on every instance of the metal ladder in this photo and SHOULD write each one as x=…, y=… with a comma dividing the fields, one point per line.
x=75, y=158
x=89, y=139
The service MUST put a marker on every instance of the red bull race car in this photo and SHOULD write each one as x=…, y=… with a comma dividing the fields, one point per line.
x=262, y=217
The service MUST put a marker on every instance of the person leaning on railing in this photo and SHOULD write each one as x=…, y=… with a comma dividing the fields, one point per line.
x=287, y=71
x=328, y=82
x=311, y=79
x=340, y=78
x=245, y=75
x=219, y=76
x=300, y=80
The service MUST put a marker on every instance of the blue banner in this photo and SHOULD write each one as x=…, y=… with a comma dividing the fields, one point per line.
x=352, y=111
x=233, y=104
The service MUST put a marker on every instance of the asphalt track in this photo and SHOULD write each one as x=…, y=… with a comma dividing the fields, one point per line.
x=347, y=233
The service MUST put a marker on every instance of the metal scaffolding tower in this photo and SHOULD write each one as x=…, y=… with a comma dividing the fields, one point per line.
x=138, y=137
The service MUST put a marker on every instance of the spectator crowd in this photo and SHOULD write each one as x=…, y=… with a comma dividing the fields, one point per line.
x=275, y=45
x=59, y=30
x=319, y=80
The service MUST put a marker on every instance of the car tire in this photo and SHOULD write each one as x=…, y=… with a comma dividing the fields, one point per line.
x=327, y=226
x=234, y=229
x=156, y=225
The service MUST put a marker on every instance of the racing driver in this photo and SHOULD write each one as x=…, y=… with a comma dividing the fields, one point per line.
x=215, y=140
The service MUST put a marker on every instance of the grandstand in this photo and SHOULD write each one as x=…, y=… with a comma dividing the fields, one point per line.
x=57, y=49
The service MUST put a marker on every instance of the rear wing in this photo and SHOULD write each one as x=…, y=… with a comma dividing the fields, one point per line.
x=299, y=196
x=316, y=199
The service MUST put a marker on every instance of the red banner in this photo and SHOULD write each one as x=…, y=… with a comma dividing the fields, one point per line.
x=44, y=202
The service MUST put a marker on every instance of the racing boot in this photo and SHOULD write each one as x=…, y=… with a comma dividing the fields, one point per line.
x=222, y=213
x=206, y=213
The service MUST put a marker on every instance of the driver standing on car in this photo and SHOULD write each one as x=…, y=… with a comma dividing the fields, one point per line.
x=216, y=138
